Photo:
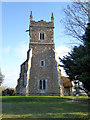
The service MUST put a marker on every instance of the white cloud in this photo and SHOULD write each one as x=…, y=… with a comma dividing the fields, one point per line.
x=11, y=76
x=21, y=50
x=11, y=71
x=62, y=51
x=6, y=50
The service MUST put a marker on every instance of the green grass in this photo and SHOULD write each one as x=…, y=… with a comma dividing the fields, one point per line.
x=33, y=98
x=44, y=107
x=39, y=98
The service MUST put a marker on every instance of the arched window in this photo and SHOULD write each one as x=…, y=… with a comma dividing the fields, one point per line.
x=42, y=84
x=42, y=63
x=42, y=36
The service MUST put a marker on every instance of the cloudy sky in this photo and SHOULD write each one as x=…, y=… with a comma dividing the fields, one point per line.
x=15, y=41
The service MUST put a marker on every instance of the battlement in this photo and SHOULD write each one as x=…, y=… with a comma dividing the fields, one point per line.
x=41, y=23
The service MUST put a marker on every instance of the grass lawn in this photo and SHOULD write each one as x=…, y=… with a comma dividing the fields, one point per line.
x=44, y=107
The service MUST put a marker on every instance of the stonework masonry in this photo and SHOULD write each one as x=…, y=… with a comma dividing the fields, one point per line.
x=40, y=74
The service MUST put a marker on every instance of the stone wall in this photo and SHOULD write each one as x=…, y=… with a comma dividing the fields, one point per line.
x=43, y=50
x=31, y=70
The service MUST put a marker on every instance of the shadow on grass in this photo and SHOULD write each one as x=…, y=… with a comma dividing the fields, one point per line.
x=43, y=109
x=45, y=119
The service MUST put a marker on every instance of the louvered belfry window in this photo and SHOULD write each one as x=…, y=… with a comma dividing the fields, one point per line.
x=42, y=36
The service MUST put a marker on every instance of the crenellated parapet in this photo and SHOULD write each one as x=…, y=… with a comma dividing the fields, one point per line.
x=41, y=23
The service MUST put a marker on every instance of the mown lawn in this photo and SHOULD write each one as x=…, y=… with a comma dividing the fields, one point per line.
x=44, y=107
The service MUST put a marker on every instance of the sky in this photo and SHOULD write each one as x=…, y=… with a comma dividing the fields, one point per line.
x=15, y=41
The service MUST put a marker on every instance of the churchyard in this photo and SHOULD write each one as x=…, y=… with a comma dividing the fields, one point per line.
x=25, y=107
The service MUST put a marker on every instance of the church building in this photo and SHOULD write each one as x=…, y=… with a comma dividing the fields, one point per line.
x=40, y=74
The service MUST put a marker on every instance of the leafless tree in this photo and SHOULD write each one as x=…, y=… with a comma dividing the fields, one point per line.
x=76, y=19
x=1, y=78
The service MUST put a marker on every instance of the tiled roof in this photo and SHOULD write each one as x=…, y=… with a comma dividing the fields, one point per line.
x=66, y=82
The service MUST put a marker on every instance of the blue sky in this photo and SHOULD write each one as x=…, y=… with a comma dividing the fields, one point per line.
x=15, y=41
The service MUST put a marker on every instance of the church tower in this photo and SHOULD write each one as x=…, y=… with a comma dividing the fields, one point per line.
x=40, y=74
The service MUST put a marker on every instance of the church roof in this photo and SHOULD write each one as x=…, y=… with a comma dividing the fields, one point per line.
x=66, y=82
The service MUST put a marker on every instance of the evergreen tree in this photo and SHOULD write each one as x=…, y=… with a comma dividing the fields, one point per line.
x=77, y=63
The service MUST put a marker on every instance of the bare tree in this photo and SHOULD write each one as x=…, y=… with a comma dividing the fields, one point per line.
x=76, y=19
x=1, y=78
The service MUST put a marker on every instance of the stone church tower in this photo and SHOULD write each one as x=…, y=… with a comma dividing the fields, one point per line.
x=40, y=74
